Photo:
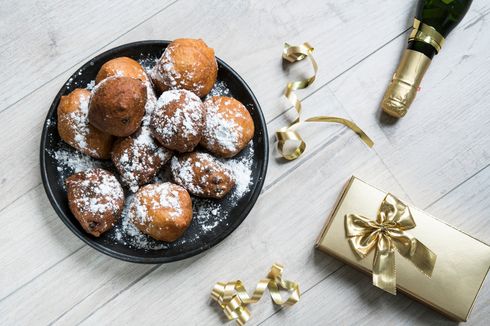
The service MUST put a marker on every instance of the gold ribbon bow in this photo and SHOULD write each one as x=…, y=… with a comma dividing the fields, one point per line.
x=384, y=235
x=233, y=297
x=294, y=54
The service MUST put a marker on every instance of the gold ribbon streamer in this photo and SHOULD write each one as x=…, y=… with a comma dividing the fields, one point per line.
x=233, y=297
x=384, y=235
x=294, y=54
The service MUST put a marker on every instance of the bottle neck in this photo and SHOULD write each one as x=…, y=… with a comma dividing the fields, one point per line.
x=422, y=47
x=443, y=15
x=425, y=39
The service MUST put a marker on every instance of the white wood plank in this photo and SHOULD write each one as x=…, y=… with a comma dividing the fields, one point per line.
x=250, y=36
x=444, y=138
x=358, y=302
x=41, y=39
x=65, y=285
x=32, y=240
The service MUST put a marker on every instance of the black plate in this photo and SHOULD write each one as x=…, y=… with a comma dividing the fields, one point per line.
x=194, y=240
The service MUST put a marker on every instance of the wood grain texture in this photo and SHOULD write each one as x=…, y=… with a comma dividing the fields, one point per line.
x=41, y=39
x=436, y=157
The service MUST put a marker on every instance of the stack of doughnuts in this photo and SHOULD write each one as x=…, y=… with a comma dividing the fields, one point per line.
x=142, y=121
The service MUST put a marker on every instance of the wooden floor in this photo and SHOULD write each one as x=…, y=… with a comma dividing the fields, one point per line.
x=436, y=158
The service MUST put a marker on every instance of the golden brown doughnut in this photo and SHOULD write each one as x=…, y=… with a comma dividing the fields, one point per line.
x=96, y=199
x=228, y=128
x=138, y=158
x=117, y=105
x=162, y=210
x=178, y=120
x=202, y=175
x=186, y=64
x=122, y=66
x=74, y=129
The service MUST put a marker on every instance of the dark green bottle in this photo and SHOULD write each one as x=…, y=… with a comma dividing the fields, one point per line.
x=434, y=20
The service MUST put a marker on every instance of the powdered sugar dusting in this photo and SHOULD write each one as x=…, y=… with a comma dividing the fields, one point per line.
x=185, y=174
x=186, y=118
x=166, y=73
x=100, y=192
x=90, y=85
x=142, y=158
x=241, y=168
x=129, y=235
x=220, y=130
x=201, y=174
x=208, y=214
x=156, y=196
x=151, y=102
x=72, y=162
x=77, y=121
x=220, y=88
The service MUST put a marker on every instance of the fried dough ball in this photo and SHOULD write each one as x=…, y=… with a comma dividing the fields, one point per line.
x=202, y=175
x=117, y=105
x=74, y=129
x=138, y=158
x=228, y=128
x=122, y=66
x=162, y=211
x=96, y=199
x=186, y=64
x=178, y=120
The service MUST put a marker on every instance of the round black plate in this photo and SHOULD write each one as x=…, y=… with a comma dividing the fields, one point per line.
x=231, y=213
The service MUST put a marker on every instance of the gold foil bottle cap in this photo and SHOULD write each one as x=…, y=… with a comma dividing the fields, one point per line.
x=405, y=83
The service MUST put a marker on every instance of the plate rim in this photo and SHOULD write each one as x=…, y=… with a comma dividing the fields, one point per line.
x=150, y=260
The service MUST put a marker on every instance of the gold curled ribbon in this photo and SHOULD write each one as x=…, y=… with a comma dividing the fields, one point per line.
x=233, y=297
x=294, y=54
x=385, y=234
x=425, y=33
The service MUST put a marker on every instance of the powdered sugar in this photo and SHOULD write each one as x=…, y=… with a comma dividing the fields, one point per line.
x=77, y=122
x=220, y=88
x=90, y=85
x=140, y=159
x=219, y=129
x=156, y=196
x=241, y=168
x=185, y=120
x=128, y=234
x=202, y=174
x=208, y=215
x=165, y=72
x=98, y=192
x=151, y=102
x=69, y=161
x=183, y=172
x=72, y=161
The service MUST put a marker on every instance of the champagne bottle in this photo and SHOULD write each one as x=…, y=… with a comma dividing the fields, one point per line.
x=434, y=20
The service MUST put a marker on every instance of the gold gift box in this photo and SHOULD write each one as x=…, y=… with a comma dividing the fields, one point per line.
x=462, y=261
